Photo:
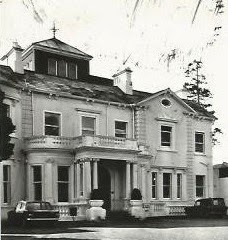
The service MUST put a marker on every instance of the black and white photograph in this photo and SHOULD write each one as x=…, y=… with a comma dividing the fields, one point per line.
x=112, y=119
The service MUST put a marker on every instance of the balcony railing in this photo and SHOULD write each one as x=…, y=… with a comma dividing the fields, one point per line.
x=56, y=142
x=50, y=142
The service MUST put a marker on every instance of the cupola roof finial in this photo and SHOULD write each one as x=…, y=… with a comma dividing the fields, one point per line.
x=54, y=29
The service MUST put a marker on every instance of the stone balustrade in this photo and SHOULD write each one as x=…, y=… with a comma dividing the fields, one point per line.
x=176, y=210
x=65, y=212
x=57, y=142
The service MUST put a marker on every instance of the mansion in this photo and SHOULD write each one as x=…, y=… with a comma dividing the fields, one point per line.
x=76, y=132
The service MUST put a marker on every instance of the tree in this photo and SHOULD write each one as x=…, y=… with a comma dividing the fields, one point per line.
x=199, y=93
x=6, y=128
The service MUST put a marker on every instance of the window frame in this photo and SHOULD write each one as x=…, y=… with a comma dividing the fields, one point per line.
x=154, y=186
x=200, y=143
x=179, y=187
x=66, y=64
x=6, y=183
x=56, y=66
x=170, y=185
x=202, y=187
x=60, y=123
x=95, y=116
x=37, y=182
x=122, y=121
x=67, y=182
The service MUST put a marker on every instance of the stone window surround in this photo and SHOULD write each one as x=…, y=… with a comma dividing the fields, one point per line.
x=60, y=124
x=92, y=115
x=127, y=126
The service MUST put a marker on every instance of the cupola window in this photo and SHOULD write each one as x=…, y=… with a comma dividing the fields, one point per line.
x=62, y=68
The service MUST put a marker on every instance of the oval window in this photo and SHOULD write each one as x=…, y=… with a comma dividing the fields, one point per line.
x=166, y=102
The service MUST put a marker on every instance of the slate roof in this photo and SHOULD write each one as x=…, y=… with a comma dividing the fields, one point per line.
x=199, y=109
x=54, y=43
x=93, y=87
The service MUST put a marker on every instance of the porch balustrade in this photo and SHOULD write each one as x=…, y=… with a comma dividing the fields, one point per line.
x=54, y=142
x=48, y=142
x=64, y=210
x=177, y=210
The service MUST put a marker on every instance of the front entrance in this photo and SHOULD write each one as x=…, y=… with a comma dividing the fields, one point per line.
x=104, y=184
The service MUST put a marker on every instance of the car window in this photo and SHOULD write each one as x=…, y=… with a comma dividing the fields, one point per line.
x=31, y=206
x=218, y=202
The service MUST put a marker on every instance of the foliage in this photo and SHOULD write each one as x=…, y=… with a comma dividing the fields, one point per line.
x=136, y=194
x=6, y=128
x=96, y=194
x=199, y=93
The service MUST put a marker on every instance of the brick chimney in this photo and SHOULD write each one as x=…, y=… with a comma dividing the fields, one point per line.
x=123, y=81
x=13, y=58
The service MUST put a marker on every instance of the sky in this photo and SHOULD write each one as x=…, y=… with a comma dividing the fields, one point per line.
x=155, y=38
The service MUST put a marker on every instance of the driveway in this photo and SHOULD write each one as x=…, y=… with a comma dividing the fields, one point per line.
x=159, y=229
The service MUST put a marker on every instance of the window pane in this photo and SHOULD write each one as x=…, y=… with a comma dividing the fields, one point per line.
x=120, y=129
x=166, y=178
x=37, y=175
x=6, y=184
x=62, y=192
x=52, y=119
x=199, y=142
x=38, y=191
x=179, y=185
x=52, y=124
x=166, y=185
x=88, y=125
x=63, y=173
x=154, y=185
x=5, y=173
x=166, y=128
x=166, y=135
x=200, y=185
x=199, y=137
x=51, y=66
x=72, y=71
x=61, y=68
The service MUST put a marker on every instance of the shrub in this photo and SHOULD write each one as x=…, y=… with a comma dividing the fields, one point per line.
x=136, y=194
x=96, y=194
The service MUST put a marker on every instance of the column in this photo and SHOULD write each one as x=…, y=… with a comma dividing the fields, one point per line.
x=48, y=180
x=149, y=186
x=143, y=183
x=87, y=178
x=184, y=186
x=128, y=183
x=95, y=175
x=174, y=185
x=160, y=185
x=77, y=179
x=84, y=179
x=135, y=175
x=29, y=183
x=72, y=188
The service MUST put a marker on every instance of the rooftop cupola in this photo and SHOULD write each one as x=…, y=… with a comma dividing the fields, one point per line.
x=122, y=80
x=13, y=58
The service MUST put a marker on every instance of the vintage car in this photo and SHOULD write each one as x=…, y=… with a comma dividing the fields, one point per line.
x=207, y=207
x=30, y=211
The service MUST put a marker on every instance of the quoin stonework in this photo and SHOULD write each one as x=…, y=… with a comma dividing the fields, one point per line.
x=76, y=132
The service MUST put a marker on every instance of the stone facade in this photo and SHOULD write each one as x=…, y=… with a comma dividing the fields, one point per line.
x=68, y=143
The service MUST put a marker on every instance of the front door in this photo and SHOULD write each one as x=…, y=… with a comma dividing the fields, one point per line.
x=104, y=184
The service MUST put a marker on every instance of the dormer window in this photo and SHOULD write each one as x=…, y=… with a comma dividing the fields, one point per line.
x=62, y=68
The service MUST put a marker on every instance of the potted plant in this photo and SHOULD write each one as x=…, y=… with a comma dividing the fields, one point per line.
x=96, y=212
x=96, y=198
x=136, y=203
